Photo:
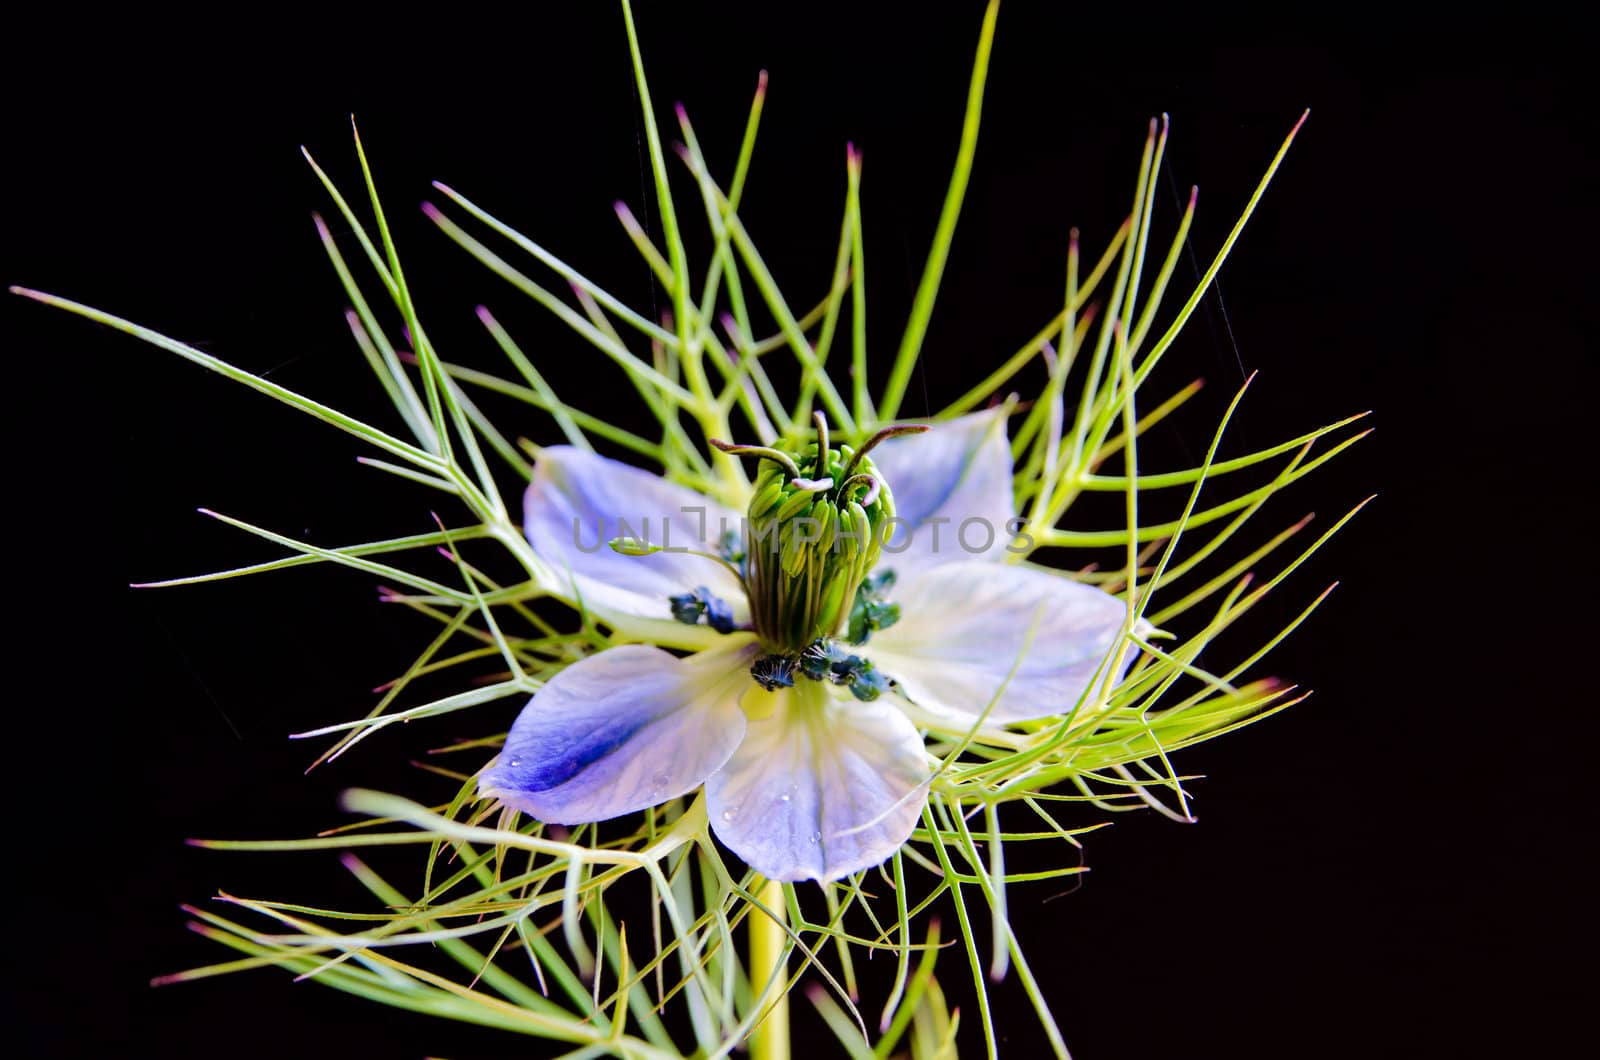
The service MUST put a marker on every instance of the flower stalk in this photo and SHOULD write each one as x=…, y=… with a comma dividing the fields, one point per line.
x=769, y=943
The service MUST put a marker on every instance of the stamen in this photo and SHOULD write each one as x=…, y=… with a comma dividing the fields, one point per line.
x=764, y=452
x=880, y=583
x=730, y=549
x=863, y=679
x=868, y=682
x=816, y=661
x=822, y=660
x=871, y=610
x=632, y=546
x=820, y=468
x=812, y=485
x=883, y=435
x=869, y=616
x=689, y=608
x=773, y=672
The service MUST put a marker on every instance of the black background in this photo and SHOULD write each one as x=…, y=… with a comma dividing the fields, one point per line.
x=1387, y=869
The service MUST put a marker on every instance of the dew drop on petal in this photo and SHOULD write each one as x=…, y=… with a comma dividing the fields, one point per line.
x=727, y=815
x=816, y=837
x=516, y=761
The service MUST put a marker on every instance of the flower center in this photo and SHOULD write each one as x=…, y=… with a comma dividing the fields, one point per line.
x=811, y=541
x=817, y=521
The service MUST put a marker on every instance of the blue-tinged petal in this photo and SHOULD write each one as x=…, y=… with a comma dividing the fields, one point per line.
x=820, y=787
x=952, y=490
x=578, y=501
x=622, y=730
x=963, y=627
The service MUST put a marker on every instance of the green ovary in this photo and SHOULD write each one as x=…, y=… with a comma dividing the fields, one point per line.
x=808, y=549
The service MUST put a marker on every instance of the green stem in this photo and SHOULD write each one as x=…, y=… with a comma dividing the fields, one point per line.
x=928, y=290
x=768, y=941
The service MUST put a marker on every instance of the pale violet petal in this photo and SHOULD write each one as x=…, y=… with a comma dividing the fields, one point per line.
x=578, y=501
x=622, y=730
x=821, y=787
x=952, y=492
x=963, y=627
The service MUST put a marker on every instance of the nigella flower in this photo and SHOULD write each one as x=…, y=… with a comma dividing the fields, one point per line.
x=869, y=589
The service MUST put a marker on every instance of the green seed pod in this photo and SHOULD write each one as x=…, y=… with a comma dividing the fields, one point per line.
x=818, y=515
x=768, y=493
x=797, y=502
x=826, y=516
x=809, y=549
x=794, y=550
x=834, y=599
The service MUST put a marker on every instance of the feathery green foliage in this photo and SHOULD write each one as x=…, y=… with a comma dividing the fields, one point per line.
x=630, y=939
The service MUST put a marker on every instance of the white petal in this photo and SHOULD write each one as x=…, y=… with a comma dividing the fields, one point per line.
x=820, y=787
x=628, y=728
x=579, y=501
x=952, y=489
x=963, y=627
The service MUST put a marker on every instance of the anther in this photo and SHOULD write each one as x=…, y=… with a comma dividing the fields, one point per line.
x=689, y=608
x=773, y=672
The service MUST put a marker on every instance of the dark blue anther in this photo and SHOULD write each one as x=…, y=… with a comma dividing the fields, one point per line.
x=689, y=608
x=773, y=672
x=871, y=612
